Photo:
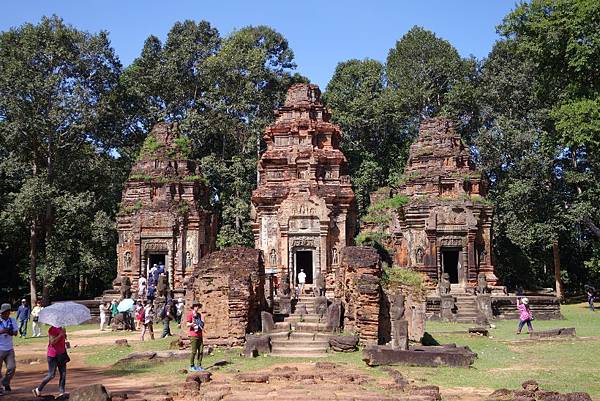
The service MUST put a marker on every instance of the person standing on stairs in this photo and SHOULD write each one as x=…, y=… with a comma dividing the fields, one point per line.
x=301, y=281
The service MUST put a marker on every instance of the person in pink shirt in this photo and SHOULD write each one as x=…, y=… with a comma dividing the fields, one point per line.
x=525, y=315
x=57, y=358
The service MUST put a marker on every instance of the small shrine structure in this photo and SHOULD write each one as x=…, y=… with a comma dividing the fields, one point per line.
x=446, y=226
x=304, y=206
x=164, y=215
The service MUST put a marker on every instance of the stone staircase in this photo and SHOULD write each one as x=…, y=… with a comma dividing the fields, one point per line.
x=300, y=334
x=466, y=308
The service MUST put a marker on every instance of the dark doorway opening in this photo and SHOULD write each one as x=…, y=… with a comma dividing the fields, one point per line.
x=157, y=259
x=450, y=260
x=304, y=262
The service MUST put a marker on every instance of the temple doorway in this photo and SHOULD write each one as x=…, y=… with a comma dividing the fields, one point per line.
x=450, y=259
x=156, y=259
x=304, y=261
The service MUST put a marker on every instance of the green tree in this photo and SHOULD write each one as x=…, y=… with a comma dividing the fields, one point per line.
x=56, y=87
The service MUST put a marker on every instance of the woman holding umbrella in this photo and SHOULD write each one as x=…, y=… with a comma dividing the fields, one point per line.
x=59, y=316
x=57, y=359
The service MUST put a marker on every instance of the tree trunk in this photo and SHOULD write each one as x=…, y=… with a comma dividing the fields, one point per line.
x=33, y=261
x=556, y=256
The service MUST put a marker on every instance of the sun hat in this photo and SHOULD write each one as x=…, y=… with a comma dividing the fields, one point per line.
x=525, y=301
x=4, y=308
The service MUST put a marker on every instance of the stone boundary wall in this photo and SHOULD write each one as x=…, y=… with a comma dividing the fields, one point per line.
x=230, y=285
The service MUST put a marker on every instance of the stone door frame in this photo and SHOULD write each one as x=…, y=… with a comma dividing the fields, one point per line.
x=462, y=268
x=293, y=253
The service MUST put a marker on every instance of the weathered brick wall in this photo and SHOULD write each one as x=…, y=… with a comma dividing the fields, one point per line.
x=360, y=291
x=230, y=286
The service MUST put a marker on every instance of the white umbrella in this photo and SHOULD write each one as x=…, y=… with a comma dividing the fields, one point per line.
x=125, y=305
x=62, y=314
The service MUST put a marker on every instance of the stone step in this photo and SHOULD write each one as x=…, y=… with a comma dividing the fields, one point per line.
x=299, y=346
x=309, y=326
x=305, y=318
x=298, y=354
x=300, y=340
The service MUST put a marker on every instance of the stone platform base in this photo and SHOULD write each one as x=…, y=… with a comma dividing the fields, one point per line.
x=444, y=355
x=543, y=307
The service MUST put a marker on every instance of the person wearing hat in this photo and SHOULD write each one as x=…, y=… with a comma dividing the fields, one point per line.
x=8, y=329
x=23, y=317
x=525, y=315
x=195, y=325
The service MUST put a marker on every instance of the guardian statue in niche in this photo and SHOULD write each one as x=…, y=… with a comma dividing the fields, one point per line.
x=273, y=257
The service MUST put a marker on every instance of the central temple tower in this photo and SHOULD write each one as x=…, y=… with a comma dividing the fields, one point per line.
x=304, y=206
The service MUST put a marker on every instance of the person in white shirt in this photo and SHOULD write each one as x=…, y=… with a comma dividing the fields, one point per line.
x=35, y=315
x=103, y=309
x=179, y=307
x=8, y=329
x=301, y=281
x=142, y=288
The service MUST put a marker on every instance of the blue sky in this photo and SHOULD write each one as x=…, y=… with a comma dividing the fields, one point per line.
x=321, y=33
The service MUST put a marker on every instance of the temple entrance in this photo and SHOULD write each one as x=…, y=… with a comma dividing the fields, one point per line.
x=304, y=261
x=156, y=259
x=450, y=259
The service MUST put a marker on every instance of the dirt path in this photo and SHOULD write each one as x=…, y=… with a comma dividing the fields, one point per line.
x=32, y=367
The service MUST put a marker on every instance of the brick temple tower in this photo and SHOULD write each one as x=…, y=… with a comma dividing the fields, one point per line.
x=446, y=226
x=164, y=214
x=304, y=207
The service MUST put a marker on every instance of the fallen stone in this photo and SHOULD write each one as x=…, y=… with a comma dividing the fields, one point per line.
x=400, y=381
x=215, y=395
x=252, y=377
x=530, y=385
x=94, y=392
x=343, y=343
x=182, y=371
x=375, y=355
x=430, y=392
x=122, y=342
x=199, y=377
x=481, y=331
x=325, y=365
x=191, y=386
x=256, y=345
x=561, y=332
x=501, y=393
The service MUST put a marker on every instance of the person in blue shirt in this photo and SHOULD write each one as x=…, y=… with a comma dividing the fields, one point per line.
x=8, y=329
x=161, y=268
x=23, y=317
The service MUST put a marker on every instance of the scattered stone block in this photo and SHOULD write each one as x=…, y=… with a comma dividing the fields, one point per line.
x=530, y=385
x=199, y=377
x=343, y=343
x=481, y=331
x=122, y=342
x=561, y=332
x=252, y=377
x=325, y=365
x=376, y=355
x=93, y=392
x=334, y=315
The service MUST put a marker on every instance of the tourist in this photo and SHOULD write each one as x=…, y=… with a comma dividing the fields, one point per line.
x=23, y=317
x=154, y=274
x=114, y=310
x=148, y=320
x=301, y=281
x=151, y=292
x=166, y=315
x=195, y=325
x=591, y=294
x=8, y=329
x=35, y=317
x=103, y=307
x=525, y=315
x=142, y=288
x=161, y=268
x=57, y=359
x=139, y=315
x=180, y=306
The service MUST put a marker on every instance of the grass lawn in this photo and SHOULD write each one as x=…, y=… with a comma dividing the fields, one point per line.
x=505, y=359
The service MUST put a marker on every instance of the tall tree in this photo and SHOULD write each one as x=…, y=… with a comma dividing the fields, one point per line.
x=55, y=106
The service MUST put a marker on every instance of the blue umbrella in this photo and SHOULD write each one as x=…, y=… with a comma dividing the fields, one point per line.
x=62, y=314
x=125, y=305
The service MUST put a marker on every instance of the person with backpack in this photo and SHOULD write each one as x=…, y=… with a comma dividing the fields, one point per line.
x=525, y=315
x=195, y=325
x=166, y=315
x=114, y=310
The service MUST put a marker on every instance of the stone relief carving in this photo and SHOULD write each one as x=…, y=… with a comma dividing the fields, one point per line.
x=188, y=259
x=127, y=260
x=273, y=257
x=419, y=254
x=156, y=246
x=335, y=259
x=303, y=241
